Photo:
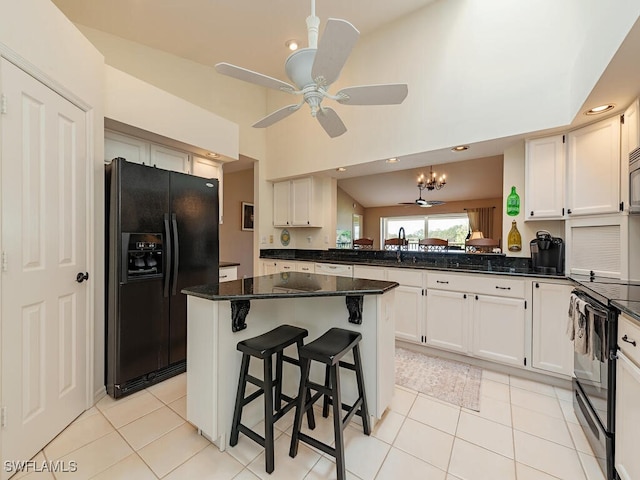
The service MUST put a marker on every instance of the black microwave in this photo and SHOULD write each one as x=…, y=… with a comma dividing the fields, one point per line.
x=634, y=181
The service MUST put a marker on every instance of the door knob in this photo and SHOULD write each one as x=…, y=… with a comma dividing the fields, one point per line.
x=81, y=277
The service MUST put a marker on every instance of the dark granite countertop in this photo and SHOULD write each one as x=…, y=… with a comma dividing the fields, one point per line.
x=289, y=285
x=228, y=264
x=630, y=308
x=454, y=261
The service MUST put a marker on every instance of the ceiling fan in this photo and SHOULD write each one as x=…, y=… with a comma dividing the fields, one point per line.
x=421, y=202
x=313, y=70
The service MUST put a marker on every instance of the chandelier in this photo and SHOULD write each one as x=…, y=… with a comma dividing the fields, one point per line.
x=431, y=182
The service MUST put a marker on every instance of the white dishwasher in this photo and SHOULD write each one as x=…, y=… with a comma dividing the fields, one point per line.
x=334, y=269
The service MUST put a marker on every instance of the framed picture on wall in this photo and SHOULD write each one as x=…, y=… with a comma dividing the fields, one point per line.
x=247, y=216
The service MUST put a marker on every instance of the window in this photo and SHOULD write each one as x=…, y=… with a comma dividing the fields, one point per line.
x=451, y=227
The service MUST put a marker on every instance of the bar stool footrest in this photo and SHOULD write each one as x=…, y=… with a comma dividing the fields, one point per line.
x=318, y=444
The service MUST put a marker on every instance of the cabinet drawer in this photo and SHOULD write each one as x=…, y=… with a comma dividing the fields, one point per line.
x=305, y=267
x=486, y=285
x=628, y=329
x=405, y=276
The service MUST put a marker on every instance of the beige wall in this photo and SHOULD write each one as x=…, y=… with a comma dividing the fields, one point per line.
x=346, y=207
x=372, y=216
x=236, y=245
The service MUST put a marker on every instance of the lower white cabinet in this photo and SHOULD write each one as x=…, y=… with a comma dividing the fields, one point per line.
x=479, y=316
x=227, y=274
x=447, y=322
x=338, y=270
x=285, y=266
x=498, y=329
x=627, y=462
x=268, y=267
x=552, y=350
x=305, y=267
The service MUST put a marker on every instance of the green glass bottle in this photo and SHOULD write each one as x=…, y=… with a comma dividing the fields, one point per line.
x=514, y=239
x=513, y=203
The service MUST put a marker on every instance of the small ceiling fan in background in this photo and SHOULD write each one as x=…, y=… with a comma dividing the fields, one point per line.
x=313, y=70
x=421, y=202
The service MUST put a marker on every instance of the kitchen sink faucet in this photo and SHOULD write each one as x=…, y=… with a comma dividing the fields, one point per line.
x=401, y=239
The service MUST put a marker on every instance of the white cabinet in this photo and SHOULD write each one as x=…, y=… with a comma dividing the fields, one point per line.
x=498, y=329
x=296, y=203
x=133, y=149
x=629, y=141
x=305, y=267
x=285, y=266
x=408, y=303
x=448, y=320
x=552, y=350
x=478, y=316
x=169, y=159
x=369, y=273
x=594, y=168
x=281, y=201
x=268, y=267
x=627, y=462
x=205, y=168
x=338, y=270
x=545, y=178
x=227, y=274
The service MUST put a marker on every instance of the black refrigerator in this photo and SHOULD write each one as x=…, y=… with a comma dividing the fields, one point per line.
x=161, y=236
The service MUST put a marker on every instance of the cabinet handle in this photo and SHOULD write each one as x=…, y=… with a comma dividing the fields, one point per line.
x=626, y=339
x=464, y=296
x=476, y=297
x=537, y=285
x=569, y=211
x=223, y=276
x=532, y=213
x=503, y=288
x=439, y=281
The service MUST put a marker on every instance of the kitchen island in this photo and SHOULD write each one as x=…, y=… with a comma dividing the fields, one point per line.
x=219, y=316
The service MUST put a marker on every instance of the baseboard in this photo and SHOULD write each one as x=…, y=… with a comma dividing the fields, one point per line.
x=98, y=394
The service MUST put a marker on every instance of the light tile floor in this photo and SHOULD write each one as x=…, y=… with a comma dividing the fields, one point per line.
x=524, y=430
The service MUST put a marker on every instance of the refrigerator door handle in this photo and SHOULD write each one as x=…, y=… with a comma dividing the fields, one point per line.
x=168, y=250
x=176, y=257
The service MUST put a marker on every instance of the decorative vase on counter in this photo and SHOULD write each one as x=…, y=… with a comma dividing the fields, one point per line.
x=514, y=239
x=513, y=203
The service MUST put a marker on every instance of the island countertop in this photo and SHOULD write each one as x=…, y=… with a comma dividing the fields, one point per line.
x=289, y=285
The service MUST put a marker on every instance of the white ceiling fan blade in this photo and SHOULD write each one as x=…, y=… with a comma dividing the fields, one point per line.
x=331, y=122
x=276, y=116
x=387, y=94
x=253, y=77
x=338, y=39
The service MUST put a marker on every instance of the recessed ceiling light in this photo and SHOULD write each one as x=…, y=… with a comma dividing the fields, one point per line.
x=212, y=155
x=460, y=148
x=291, y=45
x=600, y=109
x=341, y=169
x=392, y=160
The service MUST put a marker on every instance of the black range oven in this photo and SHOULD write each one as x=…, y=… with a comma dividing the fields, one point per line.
x=594, y=381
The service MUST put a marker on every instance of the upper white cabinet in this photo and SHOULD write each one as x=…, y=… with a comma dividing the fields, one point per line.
x=202, y=167
x=594, y=168
x=545, y=178
x=629, y=141
x=552, y=350
x=169, y=159
x=137, y=150
x=133, y=149
x=296, y=203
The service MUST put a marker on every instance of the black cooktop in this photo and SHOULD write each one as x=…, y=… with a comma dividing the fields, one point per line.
x=610, y=291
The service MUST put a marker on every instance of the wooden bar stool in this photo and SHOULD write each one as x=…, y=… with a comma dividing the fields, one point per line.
x=264, y=347
x=329, y=349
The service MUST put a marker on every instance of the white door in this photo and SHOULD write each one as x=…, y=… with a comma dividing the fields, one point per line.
x=44, y=236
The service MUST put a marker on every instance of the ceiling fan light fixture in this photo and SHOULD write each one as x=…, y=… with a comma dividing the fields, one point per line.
x=292, y=45
x=600, y=109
